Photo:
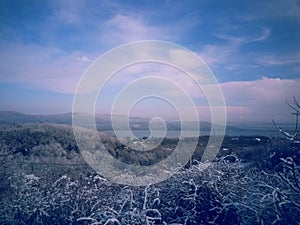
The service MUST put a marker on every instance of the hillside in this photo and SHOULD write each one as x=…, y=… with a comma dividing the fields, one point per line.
x=45, y=180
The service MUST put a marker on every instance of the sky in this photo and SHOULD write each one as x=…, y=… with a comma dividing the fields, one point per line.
x=252, y=48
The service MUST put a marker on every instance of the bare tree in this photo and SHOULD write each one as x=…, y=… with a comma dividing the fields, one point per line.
x=292, y=136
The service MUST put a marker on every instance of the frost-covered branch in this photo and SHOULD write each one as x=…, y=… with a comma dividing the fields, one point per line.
x=291, y=135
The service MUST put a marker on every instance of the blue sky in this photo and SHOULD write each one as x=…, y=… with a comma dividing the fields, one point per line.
x=251, y=46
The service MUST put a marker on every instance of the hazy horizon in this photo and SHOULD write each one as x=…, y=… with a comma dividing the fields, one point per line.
x=239, y=124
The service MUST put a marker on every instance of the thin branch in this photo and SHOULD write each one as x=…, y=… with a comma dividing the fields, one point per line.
x=295, y=107
x=296, y=126
x=296, y=102
x=288, y=182
x=286, y=134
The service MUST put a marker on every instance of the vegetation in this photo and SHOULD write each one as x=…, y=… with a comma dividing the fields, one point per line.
x=44, y=180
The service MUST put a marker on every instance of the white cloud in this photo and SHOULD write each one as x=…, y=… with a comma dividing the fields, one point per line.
x=218, y=54
x=83, y=58
x=260, y=100
x=41, y=67
x=228, y=54
x=275, y=60
x=255, y=101
x=49, y=68
x=239, y=40
x=265, y=33
x=124, y=28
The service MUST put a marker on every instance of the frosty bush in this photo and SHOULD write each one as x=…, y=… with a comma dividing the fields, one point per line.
x=226, y=193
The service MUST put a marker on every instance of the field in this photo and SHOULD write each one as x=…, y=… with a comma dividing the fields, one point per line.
x=45, y=180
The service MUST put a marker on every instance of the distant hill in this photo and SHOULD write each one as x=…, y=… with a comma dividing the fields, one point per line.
x=10, y=117
x=103, y=121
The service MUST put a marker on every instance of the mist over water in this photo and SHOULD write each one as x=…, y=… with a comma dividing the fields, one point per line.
x=176, y=133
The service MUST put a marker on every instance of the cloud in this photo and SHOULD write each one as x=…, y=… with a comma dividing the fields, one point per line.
x=275, y=60
x=251, y=101
x=244, y=39
x=40, y=67
x=83, y=58
x=53, y=52
x=53, y=69
x=223, y=53
x=218, y=54
x=260, y=100
x=124, y=28
x=47, y=67
x=264, y=35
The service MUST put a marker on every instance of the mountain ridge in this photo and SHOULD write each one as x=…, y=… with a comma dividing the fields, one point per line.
x=103, y=121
